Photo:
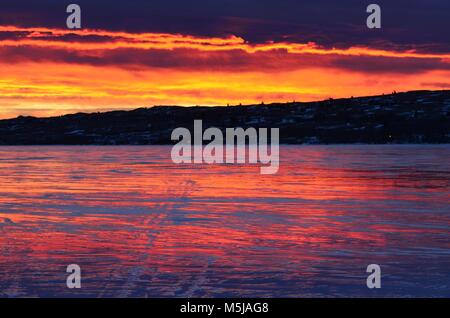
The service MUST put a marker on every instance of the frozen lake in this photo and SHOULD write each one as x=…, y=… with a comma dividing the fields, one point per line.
x=141, y=226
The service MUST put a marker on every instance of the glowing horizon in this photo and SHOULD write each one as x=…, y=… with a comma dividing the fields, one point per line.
x=48, y=71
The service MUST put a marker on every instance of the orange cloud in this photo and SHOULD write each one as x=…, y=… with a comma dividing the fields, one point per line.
x=50, y=71
x=46, y=37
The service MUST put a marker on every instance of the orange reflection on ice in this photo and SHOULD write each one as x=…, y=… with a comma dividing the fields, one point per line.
x=139, y=225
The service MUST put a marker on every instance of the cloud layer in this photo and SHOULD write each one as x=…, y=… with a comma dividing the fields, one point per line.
x=212, y=55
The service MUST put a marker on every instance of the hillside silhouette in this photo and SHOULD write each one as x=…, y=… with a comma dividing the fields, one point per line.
x=411, y=117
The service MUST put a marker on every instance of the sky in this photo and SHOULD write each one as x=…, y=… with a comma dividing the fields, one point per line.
x=138, y=53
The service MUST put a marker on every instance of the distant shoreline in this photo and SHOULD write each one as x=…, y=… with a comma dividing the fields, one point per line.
x=417, y=117
x=227, y=106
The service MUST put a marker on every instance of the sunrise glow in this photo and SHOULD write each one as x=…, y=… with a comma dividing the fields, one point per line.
x=48, y=71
